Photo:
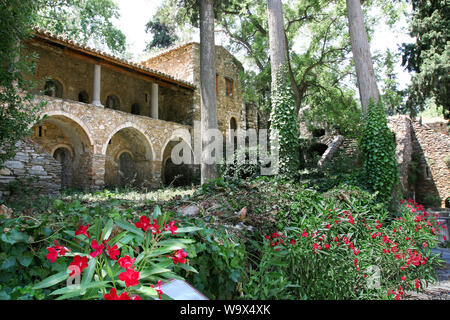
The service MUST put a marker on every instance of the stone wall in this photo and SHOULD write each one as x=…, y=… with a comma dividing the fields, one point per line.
x=76, y=75
x=33, y=168
x=183, y=62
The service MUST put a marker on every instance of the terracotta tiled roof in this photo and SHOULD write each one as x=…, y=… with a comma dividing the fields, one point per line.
x=44, y=34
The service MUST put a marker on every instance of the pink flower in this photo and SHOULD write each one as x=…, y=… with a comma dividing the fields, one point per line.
x=82, y=230
x=126, y=262
x=144, y=223
x=52, y=254
x=113, y=252
x=123, y=296
x=179, y=257
x=171, y=227
x=158, y=289
x=80, y=263
x=130, y=277
x=98, y=248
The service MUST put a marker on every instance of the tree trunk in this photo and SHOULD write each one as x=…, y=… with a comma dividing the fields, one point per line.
x=365, y=74
x=207, y=87
x=277, y=40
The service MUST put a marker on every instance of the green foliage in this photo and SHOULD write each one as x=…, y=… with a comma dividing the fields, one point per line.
x=377, y=147
x=429, y=57
x=284, y=130
x=163, y=34
x=432, y=200
x=240, y=169
x=17, y=110
x=84, y=21
x=334, y=245
x=220, y=259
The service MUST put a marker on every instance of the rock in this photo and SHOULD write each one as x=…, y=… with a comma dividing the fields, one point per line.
x=242, y=214
x=5, y=211
x=190, y=210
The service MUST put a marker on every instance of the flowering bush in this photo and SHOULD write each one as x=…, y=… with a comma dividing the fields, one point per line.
x=346, y=251
x=120, y=260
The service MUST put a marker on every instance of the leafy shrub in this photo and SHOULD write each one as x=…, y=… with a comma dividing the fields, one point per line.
x=109, y=255
x=342, y=247
x=238, y=170
x=220, y=259
x=432, y=200
x=378, y=151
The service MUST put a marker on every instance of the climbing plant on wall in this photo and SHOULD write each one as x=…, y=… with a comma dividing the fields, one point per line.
x=377, y=146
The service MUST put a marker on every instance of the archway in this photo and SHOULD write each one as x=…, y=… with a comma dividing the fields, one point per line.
x=175, y=171
x=66, y=140
x=53, y=88
x=128, y=159
x=63, y=156
x=112, y=102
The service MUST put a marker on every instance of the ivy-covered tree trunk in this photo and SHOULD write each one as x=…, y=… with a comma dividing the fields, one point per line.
x=284, y=135
x=377, y=146
x=207, y=87
x=365, y=74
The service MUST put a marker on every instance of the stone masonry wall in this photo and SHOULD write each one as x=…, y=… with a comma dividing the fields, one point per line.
x=76, y=75
x=31, y=161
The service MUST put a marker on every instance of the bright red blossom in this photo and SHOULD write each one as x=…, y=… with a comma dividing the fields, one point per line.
x=126, y=262
x=179, y=257
x=113, y=252
x=130, y=277
x=79, y=264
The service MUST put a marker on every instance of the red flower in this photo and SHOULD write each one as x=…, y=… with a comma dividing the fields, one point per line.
x=98, y=248
x=82, y=230
x=305, y=234
x=130, y=277
x=171, y=227
x=179, y=257
x=123, y=296
x=113, y=252
x=80, y=263
x=52, y=254
x=126, y=262
x=293, y=242
x=158, y=289
x=327, y=246
x=144, y=223
x=155, y=227
x=417, y=284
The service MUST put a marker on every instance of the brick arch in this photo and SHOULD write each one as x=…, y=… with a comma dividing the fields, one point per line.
x=78, y=121
x=137, y=128
x=63, y=85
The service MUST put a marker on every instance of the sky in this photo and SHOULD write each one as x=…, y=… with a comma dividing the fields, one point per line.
x=136, y=13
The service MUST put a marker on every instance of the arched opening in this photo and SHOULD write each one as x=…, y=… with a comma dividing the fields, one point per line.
x=447, y=202
x=63, y=156
x=136, y=109
x=128, y=159
x=233, y=128
x=318, y=132
x=112, y=102
x=67, y=141
x=53, y=88
x=233, y=123
x=175, y=173
x=83, y=96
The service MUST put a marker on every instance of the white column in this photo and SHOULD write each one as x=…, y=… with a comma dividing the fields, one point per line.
x=154, y=101
x=97, y=79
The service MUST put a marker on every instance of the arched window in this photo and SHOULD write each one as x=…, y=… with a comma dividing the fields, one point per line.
x=53, y=88
x=136, y=109
x=83, y=96
x=112, y=102
x=233, y=124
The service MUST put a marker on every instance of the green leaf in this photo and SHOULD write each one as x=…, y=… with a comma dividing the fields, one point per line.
x=108, y=229
x=188, y=229
x=147, y=291
x=129, y=227
x=8, y=263
x=88, y=273
x=52, y=280
x=79, y=289
x=152, y=271
x=25, y=259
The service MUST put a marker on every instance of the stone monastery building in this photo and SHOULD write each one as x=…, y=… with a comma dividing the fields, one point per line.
x=110, y=122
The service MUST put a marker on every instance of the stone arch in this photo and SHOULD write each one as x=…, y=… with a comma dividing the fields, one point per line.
x=174, y=173
x=53, y=87
x=68, y=141
x=233, y=125
x=128, y=158
x=151, y=153
x=447, y=202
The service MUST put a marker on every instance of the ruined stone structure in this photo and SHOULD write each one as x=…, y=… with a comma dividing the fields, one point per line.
x=110, y=122
x=421, y=153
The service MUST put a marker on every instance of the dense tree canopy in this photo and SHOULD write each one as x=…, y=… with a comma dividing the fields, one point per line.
x=163, y=34
x=429, y=57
